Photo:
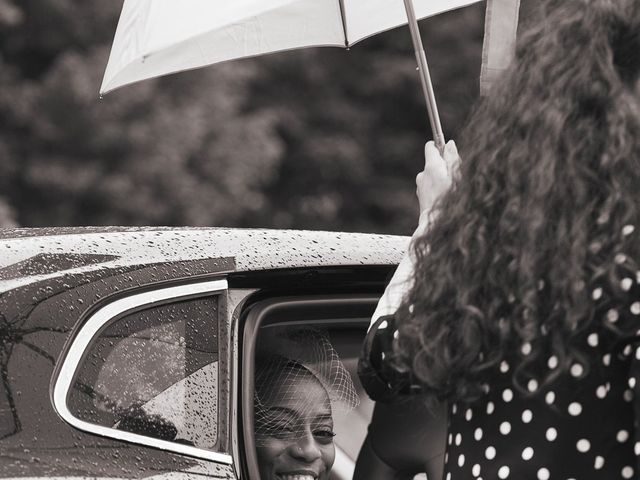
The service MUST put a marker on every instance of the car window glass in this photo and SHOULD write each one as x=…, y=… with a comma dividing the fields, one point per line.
x=154, y=373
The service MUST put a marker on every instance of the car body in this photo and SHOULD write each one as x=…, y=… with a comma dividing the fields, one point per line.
x=128, y=352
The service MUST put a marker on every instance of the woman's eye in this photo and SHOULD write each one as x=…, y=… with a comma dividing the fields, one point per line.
x=324, y=434
x=276, y=430
x=285, y=427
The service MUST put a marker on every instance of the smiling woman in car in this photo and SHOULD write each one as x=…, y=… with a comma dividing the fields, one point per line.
x=300, y=385
x=294, y=423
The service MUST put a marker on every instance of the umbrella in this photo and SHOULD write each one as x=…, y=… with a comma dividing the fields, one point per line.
x=158, y=37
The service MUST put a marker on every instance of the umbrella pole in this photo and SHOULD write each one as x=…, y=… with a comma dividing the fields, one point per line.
x=425, y=78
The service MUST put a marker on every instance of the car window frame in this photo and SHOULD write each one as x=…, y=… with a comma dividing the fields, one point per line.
x=111, y=312
x=261, y=313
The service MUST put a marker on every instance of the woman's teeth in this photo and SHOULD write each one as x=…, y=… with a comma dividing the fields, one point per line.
x=296, y=477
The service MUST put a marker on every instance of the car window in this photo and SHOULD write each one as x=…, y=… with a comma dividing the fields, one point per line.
x=304, y=353
x=331, y=354
x=154, y=373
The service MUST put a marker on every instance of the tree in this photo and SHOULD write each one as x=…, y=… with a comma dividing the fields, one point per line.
x=316, y=138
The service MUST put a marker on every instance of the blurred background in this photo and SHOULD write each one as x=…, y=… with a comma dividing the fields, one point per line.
x=320, y=138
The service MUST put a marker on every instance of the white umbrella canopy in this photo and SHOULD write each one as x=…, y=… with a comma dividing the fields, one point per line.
x=158, y=37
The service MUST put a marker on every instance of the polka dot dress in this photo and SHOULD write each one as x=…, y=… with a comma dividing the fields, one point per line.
x=582, y=427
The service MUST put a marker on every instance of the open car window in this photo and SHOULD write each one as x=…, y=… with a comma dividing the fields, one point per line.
x=275, y=327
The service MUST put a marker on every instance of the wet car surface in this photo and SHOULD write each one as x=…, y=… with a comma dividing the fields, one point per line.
x=126, y=352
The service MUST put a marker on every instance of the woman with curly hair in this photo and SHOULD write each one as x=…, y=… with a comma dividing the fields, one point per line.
x=524, y=311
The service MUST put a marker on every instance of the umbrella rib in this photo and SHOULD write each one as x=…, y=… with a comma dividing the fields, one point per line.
x=343, y=16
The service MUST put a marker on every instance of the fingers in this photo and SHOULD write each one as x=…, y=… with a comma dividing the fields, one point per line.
x=452, y=158
x=431, y=154
x=434, y=164
x=438, y=174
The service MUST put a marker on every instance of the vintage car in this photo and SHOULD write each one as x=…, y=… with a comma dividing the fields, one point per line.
x=129, y=352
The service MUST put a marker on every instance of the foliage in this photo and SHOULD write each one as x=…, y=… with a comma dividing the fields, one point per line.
x=317, y=138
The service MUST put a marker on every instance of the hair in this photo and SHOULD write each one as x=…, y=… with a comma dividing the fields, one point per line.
x=279, y=378
x=550, y=174
x=272, y=373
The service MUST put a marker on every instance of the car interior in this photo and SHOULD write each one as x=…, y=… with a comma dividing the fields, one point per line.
x=344, y=320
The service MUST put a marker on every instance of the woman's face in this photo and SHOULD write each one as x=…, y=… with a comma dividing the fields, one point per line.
x=296, y=439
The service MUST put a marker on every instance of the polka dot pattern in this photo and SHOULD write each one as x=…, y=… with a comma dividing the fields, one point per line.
x=575, y=409
x=504, y=367
x=507, y=395
x=551, y=434
x=550, y=397
x=543, y=474
x=598, y=463
x=490, y=453
x=577, y=370
x=583, y=445
x=627, y=472
x=579, y=426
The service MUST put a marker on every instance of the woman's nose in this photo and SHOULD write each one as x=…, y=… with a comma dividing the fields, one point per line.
x=306, y=448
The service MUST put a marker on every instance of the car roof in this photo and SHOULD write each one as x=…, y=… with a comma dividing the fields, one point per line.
x=80, y=250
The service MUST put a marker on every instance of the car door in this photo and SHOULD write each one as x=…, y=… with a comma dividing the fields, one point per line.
x=118, y=374
x=338, y=301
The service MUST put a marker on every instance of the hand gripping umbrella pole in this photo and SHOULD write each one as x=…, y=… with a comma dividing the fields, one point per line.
x=425, y=78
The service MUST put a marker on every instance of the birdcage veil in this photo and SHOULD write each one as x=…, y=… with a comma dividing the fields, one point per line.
x=285, y=360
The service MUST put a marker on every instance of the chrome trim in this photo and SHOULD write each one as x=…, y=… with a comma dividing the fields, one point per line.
x=236, y=301
x=87, y=333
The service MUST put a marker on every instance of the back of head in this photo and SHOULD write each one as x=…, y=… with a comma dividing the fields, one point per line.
x=549, y=176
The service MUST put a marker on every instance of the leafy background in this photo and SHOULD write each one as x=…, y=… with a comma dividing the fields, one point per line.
x=319, y=138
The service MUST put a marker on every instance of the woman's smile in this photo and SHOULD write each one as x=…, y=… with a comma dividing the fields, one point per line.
x=298, y=475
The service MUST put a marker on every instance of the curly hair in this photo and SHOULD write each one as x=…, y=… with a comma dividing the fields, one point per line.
x=550, y=175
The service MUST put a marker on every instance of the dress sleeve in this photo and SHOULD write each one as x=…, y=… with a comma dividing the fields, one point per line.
x=396, y=289
x=380, y=379
x=401, y=281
